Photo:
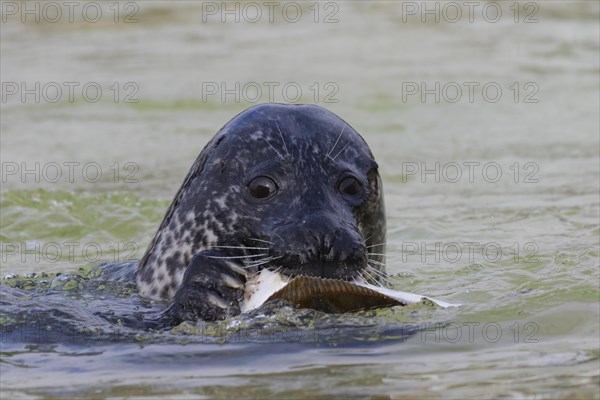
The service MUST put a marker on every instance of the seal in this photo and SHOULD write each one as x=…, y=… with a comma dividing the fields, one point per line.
x=289, y=188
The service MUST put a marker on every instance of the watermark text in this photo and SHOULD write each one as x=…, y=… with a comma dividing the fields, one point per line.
x=471, y=172
x=68, y=172
x=270, y=92
x=270, y=11
x=454, y=252
x=470, y=92
x=34, y=251
x=69, y=11
x=71, y=92
x=469, y=11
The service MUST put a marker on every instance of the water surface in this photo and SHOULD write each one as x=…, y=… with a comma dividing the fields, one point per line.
x=519, y=251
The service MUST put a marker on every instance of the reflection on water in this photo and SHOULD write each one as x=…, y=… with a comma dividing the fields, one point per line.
x=486, y=132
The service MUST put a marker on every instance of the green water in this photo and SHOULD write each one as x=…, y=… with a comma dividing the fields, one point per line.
x=519, y=251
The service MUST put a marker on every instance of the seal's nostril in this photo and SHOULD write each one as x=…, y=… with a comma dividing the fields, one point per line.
x=321, y=247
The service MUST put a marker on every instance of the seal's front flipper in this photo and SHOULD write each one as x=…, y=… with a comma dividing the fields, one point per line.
x=212, y=289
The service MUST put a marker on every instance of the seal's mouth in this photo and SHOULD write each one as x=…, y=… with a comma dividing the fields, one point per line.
x=319, y=259
x=321, y=269
x=295, y=261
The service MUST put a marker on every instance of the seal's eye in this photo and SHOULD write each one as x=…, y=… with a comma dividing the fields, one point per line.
x=262, y=187
x=350, y=186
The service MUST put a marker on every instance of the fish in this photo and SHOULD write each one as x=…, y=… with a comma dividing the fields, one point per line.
x=326, y=295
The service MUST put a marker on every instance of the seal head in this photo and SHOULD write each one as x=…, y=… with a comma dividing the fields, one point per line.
x=292, y=188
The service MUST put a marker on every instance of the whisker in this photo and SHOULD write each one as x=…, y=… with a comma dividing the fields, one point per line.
x=241, y=247
x=244, y=266
x=283, y=140
x=235, y=257
x=272, y=147
x=380, y=274
x=361, y=274
x=261, y=240
x=366, y=275
x=340, y=152
x=376, y=262
x=336, y=142
x=256, y=264
x=279, y=237
x=375, y=245
x=359, y=278
x=276, y=271
x=375, y=254
x=369, y=266
x=261, y=262
x=372, y=280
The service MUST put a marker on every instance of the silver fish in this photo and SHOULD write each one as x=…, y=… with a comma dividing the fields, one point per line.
x=327, y=295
